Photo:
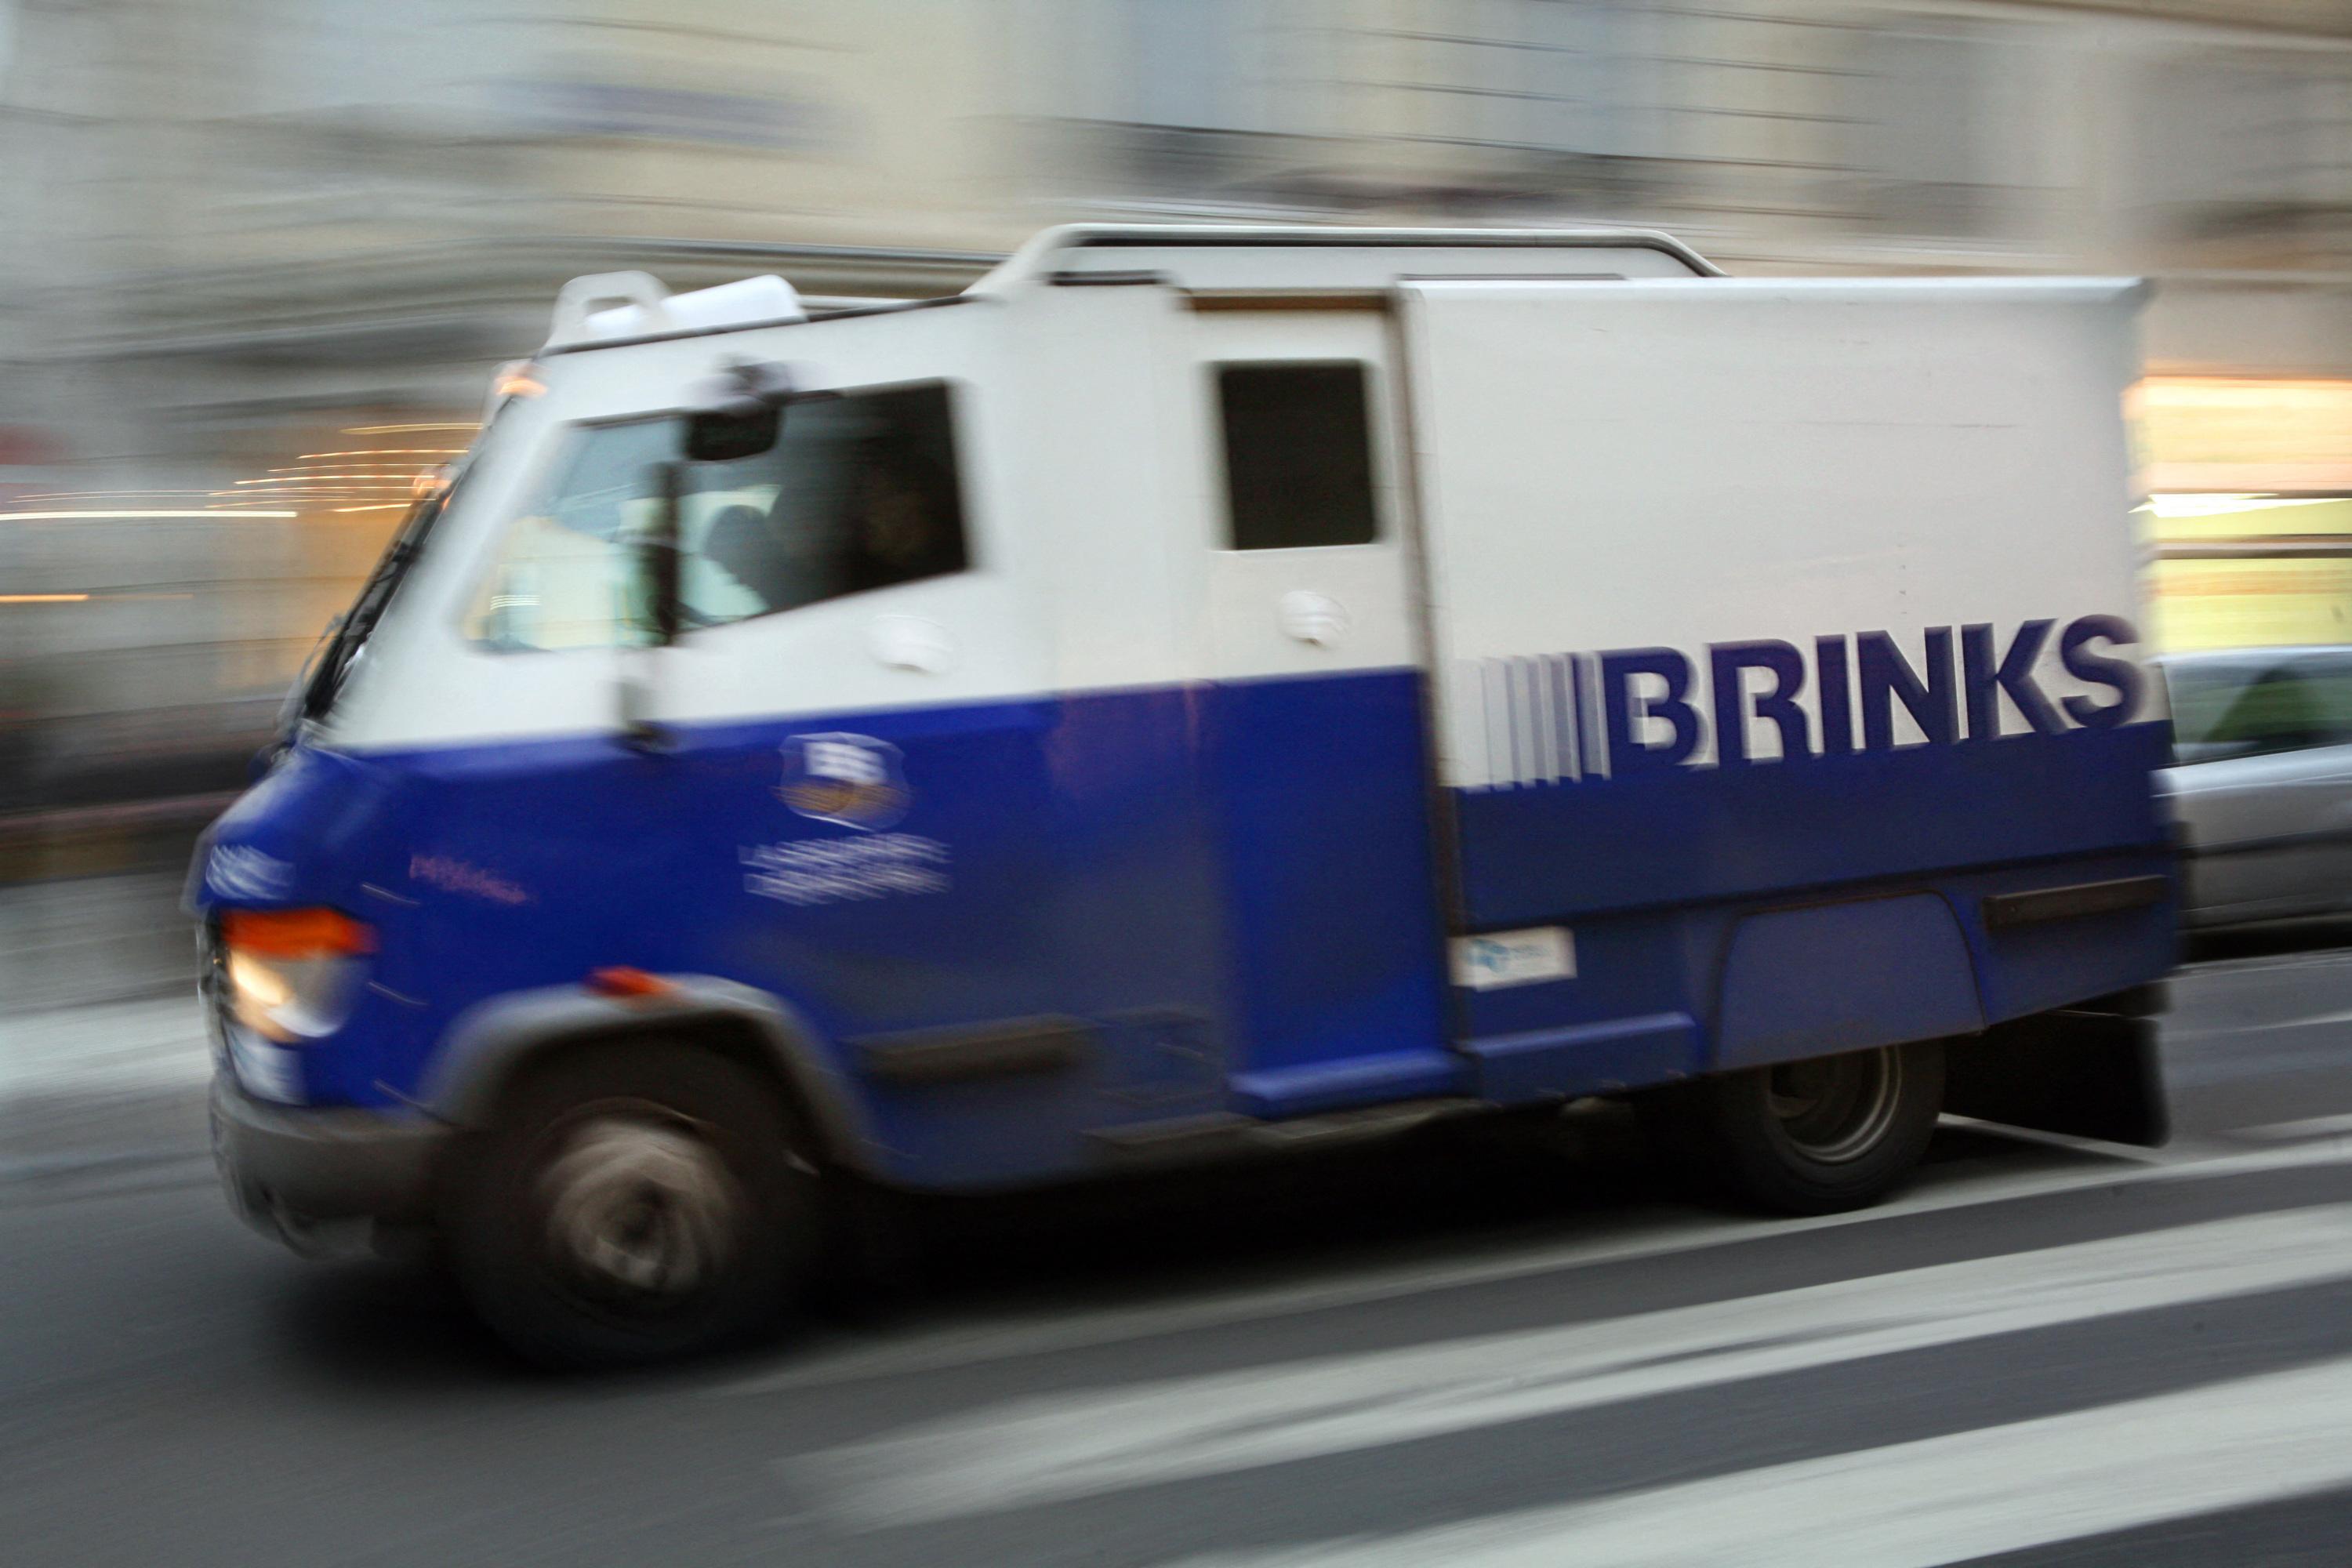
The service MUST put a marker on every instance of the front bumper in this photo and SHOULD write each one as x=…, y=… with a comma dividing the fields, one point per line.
x=286, y=1167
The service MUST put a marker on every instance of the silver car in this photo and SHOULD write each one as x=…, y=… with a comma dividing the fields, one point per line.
x=2262, y=780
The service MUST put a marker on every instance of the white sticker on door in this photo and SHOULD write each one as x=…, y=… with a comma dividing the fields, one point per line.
x=1514, y=957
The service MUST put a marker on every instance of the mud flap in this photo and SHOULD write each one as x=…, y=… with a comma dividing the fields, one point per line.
x=2087, y=1075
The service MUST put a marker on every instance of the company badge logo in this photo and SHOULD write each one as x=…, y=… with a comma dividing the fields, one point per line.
x=854, y=780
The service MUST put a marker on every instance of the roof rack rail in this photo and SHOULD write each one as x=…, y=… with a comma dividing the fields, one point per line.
x=1052, y=252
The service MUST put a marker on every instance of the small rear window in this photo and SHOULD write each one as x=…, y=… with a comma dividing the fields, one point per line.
x=1298, y=455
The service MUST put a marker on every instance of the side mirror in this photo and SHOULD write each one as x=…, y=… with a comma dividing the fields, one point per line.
x=723, y=437
x=737, y=415
x=734, y=415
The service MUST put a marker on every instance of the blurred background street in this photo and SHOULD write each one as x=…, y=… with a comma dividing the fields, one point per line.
x=258, y=261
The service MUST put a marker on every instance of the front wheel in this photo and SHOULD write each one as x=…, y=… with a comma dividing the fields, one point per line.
x=1810, y=1137
x=637, y=1202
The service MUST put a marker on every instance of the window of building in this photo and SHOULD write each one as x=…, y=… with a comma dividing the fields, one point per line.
x=2228, y=144
x=860, y=492
x=1535, y=76
x=1943, y=128
x=1298, y=455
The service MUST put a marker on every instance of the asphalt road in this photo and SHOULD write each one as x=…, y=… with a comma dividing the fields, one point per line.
x=1520, y=1349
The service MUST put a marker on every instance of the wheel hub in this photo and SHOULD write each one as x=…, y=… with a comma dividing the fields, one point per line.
x=639, y=1206
x=1839, y=1108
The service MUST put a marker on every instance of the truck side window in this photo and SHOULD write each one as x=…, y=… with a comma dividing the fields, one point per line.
x=861, y=492
x=1298, y=455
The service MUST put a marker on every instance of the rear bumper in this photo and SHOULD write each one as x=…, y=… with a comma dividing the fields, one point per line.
x=286, y=1166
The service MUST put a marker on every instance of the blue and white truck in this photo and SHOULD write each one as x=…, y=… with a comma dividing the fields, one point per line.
x=1197, y=686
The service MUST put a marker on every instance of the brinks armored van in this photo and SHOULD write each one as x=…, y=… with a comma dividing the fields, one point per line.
x=1196, y=687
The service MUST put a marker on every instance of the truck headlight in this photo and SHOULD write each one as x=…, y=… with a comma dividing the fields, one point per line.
x=292, y=974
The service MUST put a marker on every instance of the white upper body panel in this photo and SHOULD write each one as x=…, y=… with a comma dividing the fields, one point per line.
x=425, y=680
x=1664, y=464
x=1086, y=447
x=1665, y=460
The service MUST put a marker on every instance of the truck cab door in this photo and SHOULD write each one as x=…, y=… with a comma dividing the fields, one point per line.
x=1308, y=565
x=1316, y=755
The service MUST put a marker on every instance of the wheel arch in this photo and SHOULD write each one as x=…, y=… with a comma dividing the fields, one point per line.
x=1819, y=979
x=493, y=1046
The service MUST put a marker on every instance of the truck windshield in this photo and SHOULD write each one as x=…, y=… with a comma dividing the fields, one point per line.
x=860, y=492
x=345, y=642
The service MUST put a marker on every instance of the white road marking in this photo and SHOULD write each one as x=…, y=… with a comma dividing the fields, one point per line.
x=2256, y=963
x=1936, y=1500
x=1630, y=1235
x=2311, y=1021
x=2292, y=1132
x=112, y=1047
x=1059, y=1447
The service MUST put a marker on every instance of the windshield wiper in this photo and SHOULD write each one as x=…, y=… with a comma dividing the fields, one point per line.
x=345, y=639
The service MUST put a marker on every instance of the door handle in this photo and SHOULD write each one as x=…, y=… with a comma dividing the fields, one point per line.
x=910, y=642
x=1317, y=619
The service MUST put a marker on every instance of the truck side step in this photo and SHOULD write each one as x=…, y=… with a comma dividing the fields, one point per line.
x=1224, y=1133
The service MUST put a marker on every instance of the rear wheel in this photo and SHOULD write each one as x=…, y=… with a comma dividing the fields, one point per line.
x=635, y=1202
x=1810, y=1137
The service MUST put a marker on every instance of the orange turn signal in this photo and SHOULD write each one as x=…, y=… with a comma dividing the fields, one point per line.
x=295, y=933
x=623, y=981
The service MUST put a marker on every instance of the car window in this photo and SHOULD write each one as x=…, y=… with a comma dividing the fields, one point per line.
x=2255, y=707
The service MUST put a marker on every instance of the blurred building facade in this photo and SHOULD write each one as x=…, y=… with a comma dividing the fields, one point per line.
x=258, y=256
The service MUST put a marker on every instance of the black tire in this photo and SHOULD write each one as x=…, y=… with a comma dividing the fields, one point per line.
x=635, y=1201
x=1805, y=1137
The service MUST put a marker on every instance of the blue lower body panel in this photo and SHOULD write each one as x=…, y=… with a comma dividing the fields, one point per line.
x=1671, y=994
x=1729, y=917
x=1701, y=834
x=1222, y=884
x=1228, y=891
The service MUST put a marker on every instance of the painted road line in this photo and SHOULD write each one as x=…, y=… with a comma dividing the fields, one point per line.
x=1059, y=1447
x=2295, y=1131
x=1629, y=1237
x=2309, y=1021
x=2264, y=963
x=110, y=1047
x=1937, y=1501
